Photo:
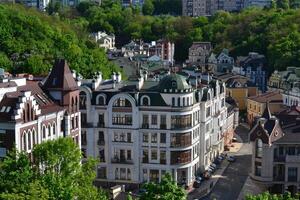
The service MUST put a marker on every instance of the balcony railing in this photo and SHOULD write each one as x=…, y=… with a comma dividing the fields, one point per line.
x=279, y=178
x=121, y=161
x=145, y=126
x=279, y=159
x=101, y=142
x=101, y=125
x=163, y=126
x=292, y=158
x=87, y=125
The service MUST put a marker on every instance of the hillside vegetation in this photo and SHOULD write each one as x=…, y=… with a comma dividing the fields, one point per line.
x=30, y=41
x=274, y=32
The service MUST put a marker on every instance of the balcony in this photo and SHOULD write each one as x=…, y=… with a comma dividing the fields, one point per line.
x=163, y=126
x=292, y=158
x=121, y=161
x=145, y=126
x=279, y=178
x=279, y=158
x=162, y=161
x=180, y=157
x=101, y=125
x=87, y=125
x=101, y=142
x=181, y=140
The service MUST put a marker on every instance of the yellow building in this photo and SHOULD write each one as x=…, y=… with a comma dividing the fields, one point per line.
x=257, y=104
x=239, y=88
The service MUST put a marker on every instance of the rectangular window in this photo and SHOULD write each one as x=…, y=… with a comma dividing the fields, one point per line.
x=257, y=169
x=145, y=156
x=129, y=137
x=145, y=175
x=207, y=111
x=145, y=119
x=123, y=173
x=153, y=154
x=128, y=154
x=292, y=174
x=163, y=120
x=162, y=157
x=163, y=138
x=154, y=119
x=145, y=137
x=101, y=138
x=154, y=175
x=154, y=138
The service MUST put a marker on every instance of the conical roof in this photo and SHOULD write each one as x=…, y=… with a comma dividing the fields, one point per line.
x=61, y=77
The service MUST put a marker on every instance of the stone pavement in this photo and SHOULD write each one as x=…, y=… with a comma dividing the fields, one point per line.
x=208, y=185
x=249, y=188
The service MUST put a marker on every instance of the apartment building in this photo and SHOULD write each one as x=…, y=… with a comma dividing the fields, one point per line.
x=141, y=129
x=275, y=153
x=194, y=8
x=32, y=112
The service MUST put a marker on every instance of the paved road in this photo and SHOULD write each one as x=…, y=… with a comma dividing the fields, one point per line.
x=228, y=186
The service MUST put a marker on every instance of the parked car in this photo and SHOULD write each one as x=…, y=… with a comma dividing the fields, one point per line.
x=207, y=175
x=231, y=158
x=199, y=178
x=196, y=184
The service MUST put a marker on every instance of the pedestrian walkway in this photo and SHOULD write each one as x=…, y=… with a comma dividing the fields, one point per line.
x=249, y=188
x=208, y=185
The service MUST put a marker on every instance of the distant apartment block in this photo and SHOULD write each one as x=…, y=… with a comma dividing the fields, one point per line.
x=127, y=3
x=42, y=4
x=257, y=3
x=194, y=8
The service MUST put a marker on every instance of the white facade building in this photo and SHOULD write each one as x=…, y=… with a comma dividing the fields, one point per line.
x=143, y=129
x=104, y=40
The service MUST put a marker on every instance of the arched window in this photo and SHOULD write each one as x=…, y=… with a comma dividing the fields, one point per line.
x=72, y=104
x=145, y=101
x=29, y=139
x=44, y=132
x=32, y=114
x=34, y=137
x=28, y=112
x=259, y=148
x=122, y=102
x=82, y=100
x=101, y=100
x=76, y=103
x=53, y=128
x=178, y=101
x=24, y=141
x=49, y=130
x=173, y=101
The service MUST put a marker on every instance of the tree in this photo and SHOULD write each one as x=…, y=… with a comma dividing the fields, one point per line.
x=148, y=7
x=167, y=189
x=57, y=173
x=268, y=196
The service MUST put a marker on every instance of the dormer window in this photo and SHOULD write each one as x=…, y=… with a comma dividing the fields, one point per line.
x=174, y=84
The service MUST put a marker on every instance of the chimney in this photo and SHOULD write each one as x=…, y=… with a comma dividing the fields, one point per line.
x=118, y=77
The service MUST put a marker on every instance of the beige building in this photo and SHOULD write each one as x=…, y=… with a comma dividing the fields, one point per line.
x=257, y=104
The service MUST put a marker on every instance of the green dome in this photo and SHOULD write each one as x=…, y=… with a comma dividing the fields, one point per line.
x=174, y=83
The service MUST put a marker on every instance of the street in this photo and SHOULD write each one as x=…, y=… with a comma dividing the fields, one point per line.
x=230, y=184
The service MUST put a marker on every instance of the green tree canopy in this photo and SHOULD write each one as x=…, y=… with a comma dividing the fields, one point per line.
x=268, y=196
x=167, y=189
x=148, y=7
x=56, y=173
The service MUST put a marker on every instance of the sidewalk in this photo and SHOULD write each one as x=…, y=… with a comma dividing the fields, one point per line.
x=249, y=188
x=208, y=185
